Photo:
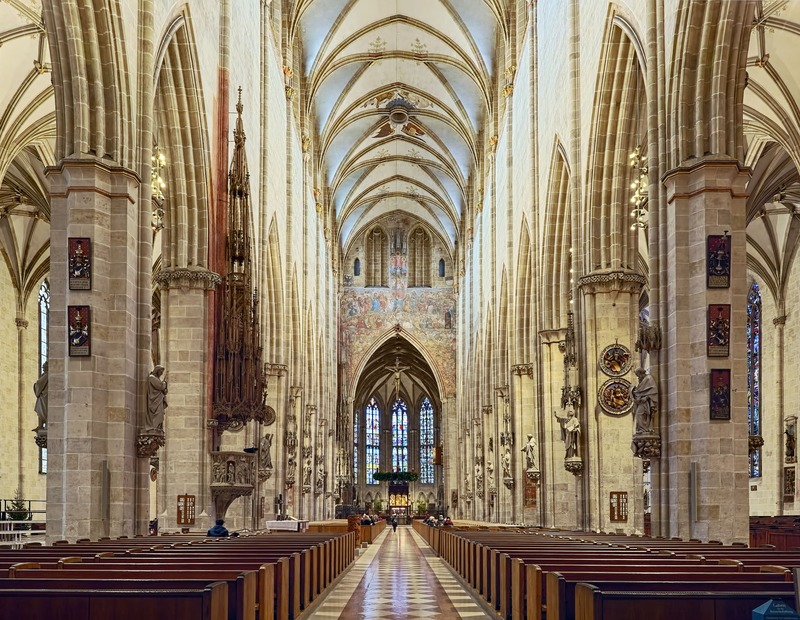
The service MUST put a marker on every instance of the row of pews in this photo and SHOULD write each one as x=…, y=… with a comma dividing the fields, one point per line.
x=259, y=577
x=781, y=532
x=550, y=575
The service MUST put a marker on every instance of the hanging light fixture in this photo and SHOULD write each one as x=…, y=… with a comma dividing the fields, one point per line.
x=639, y=187
x=157, y=187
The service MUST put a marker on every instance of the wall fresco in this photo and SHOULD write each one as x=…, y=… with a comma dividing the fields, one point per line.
x=427, y=313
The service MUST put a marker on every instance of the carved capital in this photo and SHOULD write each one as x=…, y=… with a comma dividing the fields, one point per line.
x=754, y=442
x=509, y=482
x=574, y=465
x=649, y=338
x=779, y=320
x=148, y=443
x=182, y=278
x=612, y=282
x=21, y=323
x=522, y=369
x=646, y=446
x=41, y=438
x=276, y=370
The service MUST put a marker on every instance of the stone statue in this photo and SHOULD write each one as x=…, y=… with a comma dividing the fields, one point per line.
x=307, y=473
x=791, y=443
x=40, y=390
x=506, y=462
x=570, y=432
x=265, y=459
x=156, y=399
x=320, y=477
x=490, y=471
x=645, y=400
x=530, y=453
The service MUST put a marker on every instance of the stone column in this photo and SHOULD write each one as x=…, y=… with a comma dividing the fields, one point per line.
x=183, y=468
x=95, y=401
x=22, y=434
x=703, y=198
x=610, y=308
x=515, y=433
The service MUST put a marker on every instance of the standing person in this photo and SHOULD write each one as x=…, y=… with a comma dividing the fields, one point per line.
x=394, y=522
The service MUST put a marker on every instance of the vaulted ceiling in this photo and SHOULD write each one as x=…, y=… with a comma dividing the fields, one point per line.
x=399, y=92
x=772, y=131
x=27, y=137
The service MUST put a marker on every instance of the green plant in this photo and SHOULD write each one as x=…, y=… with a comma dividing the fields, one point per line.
x=377, y=505
x=18, y=511
x=422, y=506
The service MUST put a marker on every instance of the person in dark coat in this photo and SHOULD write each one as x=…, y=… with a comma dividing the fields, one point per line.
x=219, y=530
x=394, y=522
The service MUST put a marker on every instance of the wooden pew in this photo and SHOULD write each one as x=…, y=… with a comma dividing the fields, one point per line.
x=208, y=603
x=561, y=586
x=593, y=603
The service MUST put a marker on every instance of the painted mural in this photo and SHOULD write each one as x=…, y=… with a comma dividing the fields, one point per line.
x=426, y=313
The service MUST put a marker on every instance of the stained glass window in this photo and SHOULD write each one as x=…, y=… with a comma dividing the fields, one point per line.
x=44, y=322
x=426, y=442
x=356, y=439
x=400, y=436
x=754, y=374
x=372, y=449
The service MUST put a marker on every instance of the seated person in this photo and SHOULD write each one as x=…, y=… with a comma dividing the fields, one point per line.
x=219, y=530
x=448, y=521
x=365, y=520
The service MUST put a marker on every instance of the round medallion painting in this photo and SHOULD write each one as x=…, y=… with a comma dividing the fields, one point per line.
x=615, y=396
x=615, y=360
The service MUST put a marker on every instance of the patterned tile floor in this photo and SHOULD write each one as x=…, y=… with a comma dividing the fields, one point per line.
x=398, y=576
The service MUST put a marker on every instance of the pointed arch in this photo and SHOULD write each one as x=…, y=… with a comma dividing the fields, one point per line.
x=94, y=112
x=557, y=243
x=524, y=322
x=274, y=307
x=502, y=360
x=708, y=79
x=180, y=131
x=619, y=127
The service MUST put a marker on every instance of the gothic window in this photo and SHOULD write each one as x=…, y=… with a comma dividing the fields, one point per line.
x=357, y=267
x=441, y=268
x=419, y=258
x=426, y=442
x=372, y=450
x=754, y=374
x=376, y=255
x=44, y=322
x=400, y=436
x=355, y=444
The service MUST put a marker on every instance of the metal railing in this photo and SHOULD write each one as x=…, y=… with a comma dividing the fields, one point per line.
x=16, y=532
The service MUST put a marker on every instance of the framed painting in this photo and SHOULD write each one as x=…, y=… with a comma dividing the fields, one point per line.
x=79, y=263
x=79, y=331
x=718, y=337
x=788, y=483
x=720, y=394
x=718, y=261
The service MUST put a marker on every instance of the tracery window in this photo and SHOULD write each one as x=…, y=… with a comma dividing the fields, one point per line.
x=754, y=374
x=357, y=267
x=426, y=442
x=355, y=446
x=44, y=322
x=441, y=268
x=400, y=436
x=372, y=449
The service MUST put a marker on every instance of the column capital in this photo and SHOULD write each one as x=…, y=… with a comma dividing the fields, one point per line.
x=714, y=174
x=612, y=281
x=21, y=323
x=187, y=278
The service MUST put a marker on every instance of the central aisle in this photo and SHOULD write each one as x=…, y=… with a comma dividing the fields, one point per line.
x=399, y=576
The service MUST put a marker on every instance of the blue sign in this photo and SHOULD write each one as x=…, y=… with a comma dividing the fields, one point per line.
x=774, y=610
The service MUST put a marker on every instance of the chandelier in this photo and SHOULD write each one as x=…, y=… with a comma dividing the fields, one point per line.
x=157, y=187
x=639, y=187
